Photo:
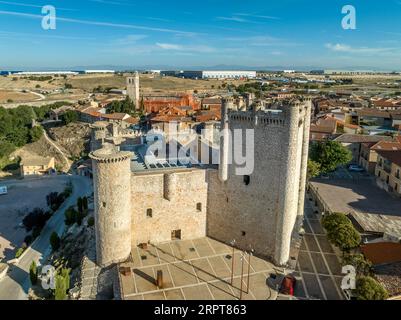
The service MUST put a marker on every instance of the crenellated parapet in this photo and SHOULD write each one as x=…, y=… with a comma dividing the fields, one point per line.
x=109, y=156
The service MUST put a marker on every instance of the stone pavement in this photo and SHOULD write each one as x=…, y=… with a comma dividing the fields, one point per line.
x=194, y=269
x=318, y=268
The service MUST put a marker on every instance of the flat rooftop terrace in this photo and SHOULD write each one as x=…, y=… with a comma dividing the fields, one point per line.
x=374, y=209
x=194, y=270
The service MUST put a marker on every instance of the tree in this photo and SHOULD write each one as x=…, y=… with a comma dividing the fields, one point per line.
x=70, y=116
x=362, y=266
x=35, y=133
x=62, y=284
x=345, y=236
x=80, y=205
x=33, y=273
x=329, y=155
x=85, y=203
x=91, y=221
x=55, y=241
x=331, y=221
x=70, y=216
x=313, y=169
x=368, y=288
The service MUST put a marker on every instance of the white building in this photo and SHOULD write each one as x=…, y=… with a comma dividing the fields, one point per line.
x=45, y=73
x=99, y=71
x=228, y=74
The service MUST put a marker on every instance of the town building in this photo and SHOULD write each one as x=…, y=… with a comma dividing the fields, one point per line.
x=368, y=154
x=353, y=142
x=37, y=166
x=388, y=171
x=211, y=74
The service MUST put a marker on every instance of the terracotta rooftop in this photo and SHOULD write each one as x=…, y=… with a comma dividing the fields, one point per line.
x=360, y=138
x=387, y=146
x=373, y=113
x=382, y=252
x=116, y=116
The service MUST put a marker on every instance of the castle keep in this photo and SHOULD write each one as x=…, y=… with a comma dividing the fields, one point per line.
x=139, y=202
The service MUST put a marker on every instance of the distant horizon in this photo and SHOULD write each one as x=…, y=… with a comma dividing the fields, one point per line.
x=118, y=68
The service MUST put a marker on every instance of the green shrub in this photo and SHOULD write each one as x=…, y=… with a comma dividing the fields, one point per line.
x=70, y=216
x=19, y=253
x=362, y=266
x=345, y=236
x=331, y=221
x=33, y=273
x=368, y=288
x=62, y=284
x=55, y=241
x=91, y=221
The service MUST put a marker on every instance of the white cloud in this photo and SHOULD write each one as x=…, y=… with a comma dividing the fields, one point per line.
x=338, y=47
x=236, y=19
x=96, y=23
x=257, y=16
x=188, y=48
x=169, y=46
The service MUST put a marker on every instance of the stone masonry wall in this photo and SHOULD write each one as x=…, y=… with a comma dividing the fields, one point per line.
x=173, y=199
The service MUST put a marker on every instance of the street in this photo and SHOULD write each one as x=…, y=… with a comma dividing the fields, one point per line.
x=16, y=284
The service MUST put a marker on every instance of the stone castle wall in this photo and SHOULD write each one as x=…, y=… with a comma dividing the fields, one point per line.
x=173, y=199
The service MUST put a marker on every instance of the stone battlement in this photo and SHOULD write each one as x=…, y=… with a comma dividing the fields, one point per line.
x=274, y=118
x=109, y=155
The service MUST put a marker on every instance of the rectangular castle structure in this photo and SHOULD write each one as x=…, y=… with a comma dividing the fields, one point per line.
x=261, y=211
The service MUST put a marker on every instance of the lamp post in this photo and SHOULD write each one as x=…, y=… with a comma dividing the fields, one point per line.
x=232, y=262
x=250, y=254
x=242, y=274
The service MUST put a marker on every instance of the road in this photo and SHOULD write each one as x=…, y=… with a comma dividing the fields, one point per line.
x=16, y=284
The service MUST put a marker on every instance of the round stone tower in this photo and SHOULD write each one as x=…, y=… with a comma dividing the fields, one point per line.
x=99, y=133
x=112, y=190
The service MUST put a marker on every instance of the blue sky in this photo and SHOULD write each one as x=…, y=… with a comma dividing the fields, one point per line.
x=182, y=33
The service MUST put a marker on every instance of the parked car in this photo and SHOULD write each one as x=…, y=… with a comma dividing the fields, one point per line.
x=3, y=190
x=355, y=168
x=288, y=285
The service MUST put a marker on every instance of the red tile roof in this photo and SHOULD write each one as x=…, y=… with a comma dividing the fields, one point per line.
x=382, y=252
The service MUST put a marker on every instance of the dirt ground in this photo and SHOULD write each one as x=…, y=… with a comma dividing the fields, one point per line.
x=148, y=83
x=16, y=96
x=22, y=197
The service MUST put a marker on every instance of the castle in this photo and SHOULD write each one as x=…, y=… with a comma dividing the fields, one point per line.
x=137, y=202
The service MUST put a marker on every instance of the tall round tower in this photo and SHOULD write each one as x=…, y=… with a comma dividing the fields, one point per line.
x=112, y=189
x=99, y=130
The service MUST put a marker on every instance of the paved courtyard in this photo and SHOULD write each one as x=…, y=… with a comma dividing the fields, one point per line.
x=192, y=270
x=318, y=270
x=23, y=196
